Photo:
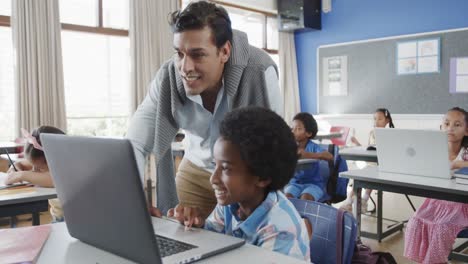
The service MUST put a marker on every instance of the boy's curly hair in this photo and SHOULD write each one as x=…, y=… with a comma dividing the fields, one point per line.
x=265, y=141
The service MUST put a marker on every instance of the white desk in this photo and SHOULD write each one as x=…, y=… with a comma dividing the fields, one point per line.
x=62, y=248
x=14, y=157
x=359, y=153
x=31, y=200
x=303, y=164
x=443, y=189
x=327, y=135
x=11, y=147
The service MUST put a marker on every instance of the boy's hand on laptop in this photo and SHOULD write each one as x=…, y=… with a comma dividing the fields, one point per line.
x=154, y=211
x=189, y=216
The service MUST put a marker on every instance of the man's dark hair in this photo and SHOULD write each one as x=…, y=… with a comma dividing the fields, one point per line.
x=30, y=151
x=265, y=142
x=309, y=123
x=199, y=14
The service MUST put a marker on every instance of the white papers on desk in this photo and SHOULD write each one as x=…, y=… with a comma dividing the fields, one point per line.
x=461, y=176
x=459, y=180
x=3, y=177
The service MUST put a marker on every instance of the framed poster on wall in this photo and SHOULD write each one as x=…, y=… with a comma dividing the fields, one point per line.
x=335, y=76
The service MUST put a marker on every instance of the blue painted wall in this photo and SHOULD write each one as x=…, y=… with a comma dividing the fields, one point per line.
x=352, y=20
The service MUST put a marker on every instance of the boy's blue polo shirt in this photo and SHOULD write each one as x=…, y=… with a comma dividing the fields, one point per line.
x=311, y=175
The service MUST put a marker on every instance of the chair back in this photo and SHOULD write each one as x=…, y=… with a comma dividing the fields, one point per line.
x=341, y=141
x=323, y=243
x=324, y=170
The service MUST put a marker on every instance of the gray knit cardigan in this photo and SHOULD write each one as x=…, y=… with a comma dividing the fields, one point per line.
x=153, y=127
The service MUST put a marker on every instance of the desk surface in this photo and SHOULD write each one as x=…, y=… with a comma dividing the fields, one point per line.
x=327, y=135
x=305, y=164
x=306, y=161
x=372, y=178
x=30, y=194
x=14, y=157
x=9, y=146
x=373, y=175
x=62, y=248
x=359, y=153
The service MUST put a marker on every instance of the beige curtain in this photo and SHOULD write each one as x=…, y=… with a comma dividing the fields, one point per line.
x=150, y=43
x=38, y=70
x=288, y=76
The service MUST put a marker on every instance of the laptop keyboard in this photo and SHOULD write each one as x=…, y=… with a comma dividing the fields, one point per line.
x=169, y=246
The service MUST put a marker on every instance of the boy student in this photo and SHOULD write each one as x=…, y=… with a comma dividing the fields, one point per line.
x=255, y=156
x=307, y=184
x=213, y=71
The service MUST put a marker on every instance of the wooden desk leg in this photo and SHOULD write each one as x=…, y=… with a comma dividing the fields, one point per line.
x=379, y=215
x=36, y=219
x=357, y=208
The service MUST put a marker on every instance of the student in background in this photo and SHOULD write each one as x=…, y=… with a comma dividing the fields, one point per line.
x=34, y=167
x=255, y=156
x=382, y=119
x=432, y=230
x=307, y=184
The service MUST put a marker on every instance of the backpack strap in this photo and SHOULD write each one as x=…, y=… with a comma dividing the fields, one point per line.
x=333, y=181
x=339, y=235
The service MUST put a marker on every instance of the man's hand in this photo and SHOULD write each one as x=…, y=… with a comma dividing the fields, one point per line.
x=189, y=216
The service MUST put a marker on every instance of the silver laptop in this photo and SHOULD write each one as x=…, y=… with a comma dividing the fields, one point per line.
x=413, y=152
x=100, y=189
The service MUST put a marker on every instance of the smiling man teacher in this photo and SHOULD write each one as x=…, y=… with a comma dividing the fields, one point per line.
x=214, y=70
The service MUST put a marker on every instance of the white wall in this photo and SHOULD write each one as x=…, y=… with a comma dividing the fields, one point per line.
x=363, y=123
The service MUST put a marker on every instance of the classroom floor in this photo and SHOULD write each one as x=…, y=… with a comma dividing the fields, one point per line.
x=395, y=207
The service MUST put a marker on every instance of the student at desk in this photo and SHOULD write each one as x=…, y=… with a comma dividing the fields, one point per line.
x=307, y=184
x=255, y=156
x=432, y=230
x=34, y=167
x=382, y=119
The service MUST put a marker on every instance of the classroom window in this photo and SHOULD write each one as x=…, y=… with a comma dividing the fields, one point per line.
x=96, y=65
x=5, y=7
x=79, y=12
x=272, y=33
x=115, y=14
x=96, y=73
x=251, y=23
x=7, y=92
